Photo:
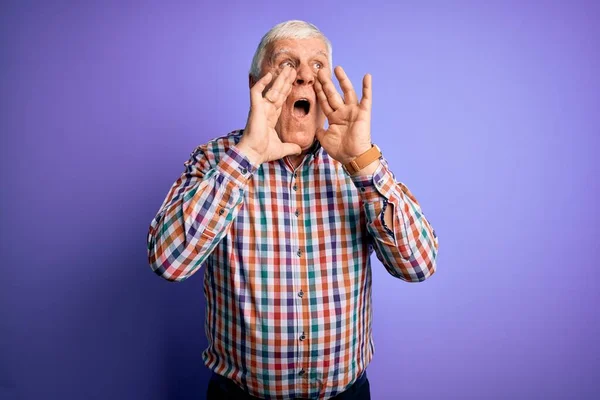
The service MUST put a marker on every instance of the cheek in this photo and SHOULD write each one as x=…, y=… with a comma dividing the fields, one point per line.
x=284, y=120
x=285, y=113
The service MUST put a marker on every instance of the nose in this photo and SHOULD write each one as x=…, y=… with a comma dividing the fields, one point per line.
x=304, y=75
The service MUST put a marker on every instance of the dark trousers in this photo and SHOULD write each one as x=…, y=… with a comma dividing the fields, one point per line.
x=221, y=388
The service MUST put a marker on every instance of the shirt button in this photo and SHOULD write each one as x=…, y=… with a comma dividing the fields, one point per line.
x=297, y=213
x=221, y=211
x=244, y=171
x=299, y=253
x=295, y=175
x=380, y=182
x=362, y=189
x=300, y=293
x=295, y=187
x=302, y=337
x=302, y=371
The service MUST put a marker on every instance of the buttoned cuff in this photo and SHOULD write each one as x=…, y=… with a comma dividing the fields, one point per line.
x=373, y=187
x=236, y=167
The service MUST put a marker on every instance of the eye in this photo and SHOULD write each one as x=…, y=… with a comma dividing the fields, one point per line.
x=287, y=62
x=318, y=65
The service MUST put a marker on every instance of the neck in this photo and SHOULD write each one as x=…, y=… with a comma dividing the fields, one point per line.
x=295, y=161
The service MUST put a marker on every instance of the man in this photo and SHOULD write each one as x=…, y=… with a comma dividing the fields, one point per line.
x=284, y=216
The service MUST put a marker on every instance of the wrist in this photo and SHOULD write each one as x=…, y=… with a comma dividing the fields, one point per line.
x=365, y=163
x=348, y=159
x=247, y=151
x=369, y=169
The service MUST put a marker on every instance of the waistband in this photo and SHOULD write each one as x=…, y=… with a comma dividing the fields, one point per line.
x=230, y=383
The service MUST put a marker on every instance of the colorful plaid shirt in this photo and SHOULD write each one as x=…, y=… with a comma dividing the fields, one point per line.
x=286, y=255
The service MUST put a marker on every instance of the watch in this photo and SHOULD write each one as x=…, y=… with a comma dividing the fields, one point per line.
x=363, y=160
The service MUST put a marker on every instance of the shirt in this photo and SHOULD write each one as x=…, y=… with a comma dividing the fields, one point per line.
x=286, y=253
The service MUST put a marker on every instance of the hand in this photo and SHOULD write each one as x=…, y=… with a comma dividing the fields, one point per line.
x=349, y=131
x=260, y=142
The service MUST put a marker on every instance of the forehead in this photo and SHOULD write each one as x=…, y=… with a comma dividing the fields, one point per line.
x=298, y=47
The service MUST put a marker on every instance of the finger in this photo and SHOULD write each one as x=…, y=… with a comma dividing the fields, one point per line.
x=273, y=83
x=291, y=149
x=367, y=92
x=320, y=134
x=286, y=89
x=289, y=83
x=257, y=90
x=333, y=97
x=278, y=92
x=322, y=98
x=346, y=85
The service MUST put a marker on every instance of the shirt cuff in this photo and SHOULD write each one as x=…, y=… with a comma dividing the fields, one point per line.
x=373, y=187
x=236, y=167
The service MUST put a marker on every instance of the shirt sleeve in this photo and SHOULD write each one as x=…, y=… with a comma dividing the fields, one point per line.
x=197, y=211
x=408, y=249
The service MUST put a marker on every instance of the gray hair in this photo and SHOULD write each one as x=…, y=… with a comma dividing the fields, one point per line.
x=293, y=29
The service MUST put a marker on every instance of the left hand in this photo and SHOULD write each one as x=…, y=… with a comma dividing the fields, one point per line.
x=349, y=132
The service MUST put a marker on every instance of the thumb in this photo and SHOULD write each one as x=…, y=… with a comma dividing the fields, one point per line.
x=320, y=134
x=290, y=149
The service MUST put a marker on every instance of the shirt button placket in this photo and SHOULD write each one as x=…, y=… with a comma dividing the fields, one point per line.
x=297, y=281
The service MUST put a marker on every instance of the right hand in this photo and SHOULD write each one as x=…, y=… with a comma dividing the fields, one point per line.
x=260, y=141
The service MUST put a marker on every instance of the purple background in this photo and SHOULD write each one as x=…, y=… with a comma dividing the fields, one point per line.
x=490, y=113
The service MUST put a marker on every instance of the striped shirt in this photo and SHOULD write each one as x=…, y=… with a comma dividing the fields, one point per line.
x=286, y=254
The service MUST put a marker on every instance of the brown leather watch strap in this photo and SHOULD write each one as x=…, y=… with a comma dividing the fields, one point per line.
x=363, y=160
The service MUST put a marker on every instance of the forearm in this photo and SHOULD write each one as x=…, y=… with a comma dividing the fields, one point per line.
x=369, y=170
x=195, y=217
x=404, y=240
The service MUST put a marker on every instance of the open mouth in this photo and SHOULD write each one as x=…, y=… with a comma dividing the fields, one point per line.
x=301, y=108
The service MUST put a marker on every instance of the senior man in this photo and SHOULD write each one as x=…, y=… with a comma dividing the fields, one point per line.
x=284, y=215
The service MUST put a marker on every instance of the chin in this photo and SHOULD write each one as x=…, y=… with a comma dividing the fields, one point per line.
x=302, y=139
x=303, y=136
